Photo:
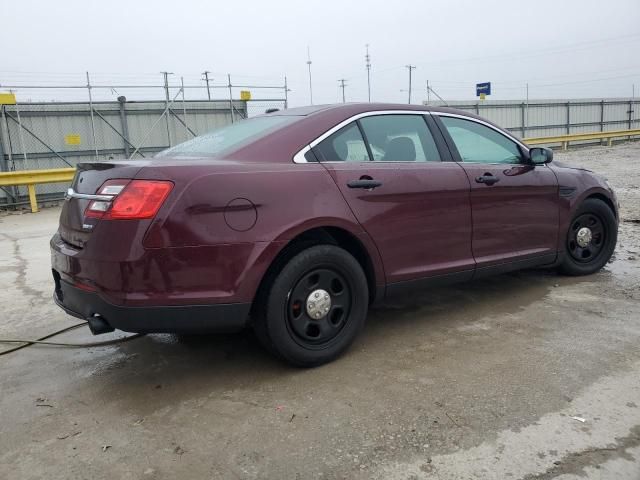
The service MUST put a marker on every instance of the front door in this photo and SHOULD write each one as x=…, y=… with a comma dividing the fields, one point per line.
x=514, y=203
x=414, y=206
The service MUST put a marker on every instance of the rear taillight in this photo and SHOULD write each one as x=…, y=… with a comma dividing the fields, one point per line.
x=133, y=199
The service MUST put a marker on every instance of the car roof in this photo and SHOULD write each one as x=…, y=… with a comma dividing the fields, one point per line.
x=361, y=107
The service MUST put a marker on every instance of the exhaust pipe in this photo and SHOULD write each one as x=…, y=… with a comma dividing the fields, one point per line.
x=98, y=325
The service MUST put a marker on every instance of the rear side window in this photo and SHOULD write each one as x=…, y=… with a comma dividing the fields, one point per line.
x=346, y=145
x=231, y=136
x=399, y=138
x=477, y=143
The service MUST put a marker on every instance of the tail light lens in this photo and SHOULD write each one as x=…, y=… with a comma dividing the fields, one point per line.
x=133, y=199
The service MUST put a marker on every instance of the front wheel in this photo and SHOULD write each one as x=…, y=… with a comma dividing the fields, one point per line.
x=591, y=238
x=315, y=308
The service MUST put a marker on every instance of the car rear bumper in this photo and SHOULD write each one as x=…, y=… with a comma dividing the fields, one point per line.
x=86, y=304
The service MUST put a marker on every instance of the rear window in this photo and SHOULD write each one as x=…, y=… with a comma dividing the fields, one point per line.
x=231, y=136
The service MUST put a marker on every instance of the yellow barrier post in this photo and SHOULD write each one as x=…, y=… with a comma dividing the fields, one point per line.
x=32, y=198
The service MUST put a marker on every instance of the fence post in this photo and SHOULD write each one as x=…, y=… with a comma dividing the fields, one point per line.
x=524, y=125
x=184, y=108
x=21, y=136
x=93, y=126
x=230, y=97
x=602, y=119
x=12, y=192
x=123, y=123
x=568, y=118
x=3, y=161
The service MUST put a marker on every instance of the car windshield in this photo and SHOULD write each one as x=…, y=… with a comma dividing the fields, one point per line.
x=225, y=138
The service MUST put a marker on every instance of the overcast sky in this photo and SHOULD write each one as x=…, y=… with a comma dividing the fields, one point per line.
x=563, y=49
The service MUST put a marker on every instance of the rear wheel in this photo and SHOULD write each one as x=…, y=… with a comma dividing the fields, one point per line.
x=315, y=307
x=591, y=238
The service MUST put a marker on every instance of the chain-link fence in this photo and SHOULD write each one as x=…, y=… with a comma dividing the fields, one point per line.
x=45, y=135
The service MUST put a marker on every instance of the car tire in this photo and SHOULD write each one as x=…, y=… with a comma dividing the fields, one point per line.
x=590, y=239
x=315, y=307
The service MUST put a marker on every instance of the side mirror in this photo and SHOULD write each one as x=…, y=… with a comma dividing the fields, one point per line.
x=540, y=155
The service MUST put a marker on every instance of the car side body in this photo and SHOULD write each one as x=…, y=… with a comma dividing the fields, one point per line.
x=231, y=221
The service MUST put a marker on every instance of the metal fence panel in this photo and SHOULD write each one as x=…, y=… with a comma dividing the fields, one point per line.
x=62, y=134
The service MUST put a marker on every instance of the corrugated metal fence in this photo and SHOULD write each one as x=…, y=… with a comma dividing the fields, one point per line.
x=51, y=135
x=542, y=118
x=55, y=135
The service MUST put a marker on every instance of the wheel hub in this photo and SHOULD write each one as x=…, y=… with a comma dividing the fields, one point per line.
x=584, y=236
x=318, y=303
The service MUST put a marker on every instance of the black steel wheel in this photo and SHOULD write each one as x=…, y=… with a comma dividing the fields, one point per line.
x=591, y=238
x=315, y=307
x=319, y=306
x=586, y=237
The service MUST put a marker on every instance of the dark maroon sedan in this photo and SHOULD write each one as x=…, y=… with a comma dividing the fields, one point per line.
x=294, y=222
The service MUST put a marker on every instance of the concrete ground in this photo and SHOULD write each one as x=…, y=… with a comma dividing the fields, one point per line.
x=523, y=376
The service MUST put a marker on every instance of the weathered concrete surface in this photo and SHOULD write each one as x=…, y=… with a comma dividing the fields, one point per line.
x=474, y=381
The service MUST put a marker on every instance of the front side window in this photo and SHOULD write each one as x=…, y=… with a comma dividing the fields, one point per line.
x=346, y=145
x=477, y=143
x=399, y=138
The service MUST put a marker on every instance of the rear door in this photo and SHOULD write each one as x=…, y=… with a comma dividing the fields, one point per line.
x=515, y=204
x=415, y=206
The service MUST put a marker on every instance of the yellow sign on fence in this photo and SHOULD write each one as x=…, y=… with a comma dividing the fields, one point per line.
x=7, y=99
x=245, y=95
x=72, y=139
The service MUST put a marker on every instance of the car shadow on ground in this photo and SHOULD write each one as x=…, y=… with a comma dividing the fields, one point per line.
x=161, y=369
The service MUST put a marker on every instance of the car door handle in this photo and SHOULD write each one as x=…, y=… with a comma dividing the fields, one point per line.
x=487, y=179
x=363, y=183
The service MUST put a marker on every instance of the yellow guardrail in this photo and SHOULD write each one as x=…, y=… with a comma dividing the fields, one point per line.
x=31, y=178
x=565, y=139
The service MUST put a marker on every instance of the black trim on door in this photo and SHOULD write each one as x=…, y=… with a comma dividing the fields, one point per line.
x=421, y=284
x=366, y=140
x=455, y=155
x=441, y=145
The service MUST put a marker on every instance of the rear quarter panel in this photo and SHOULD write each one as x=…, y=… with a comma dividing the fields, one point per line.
x=237, y=217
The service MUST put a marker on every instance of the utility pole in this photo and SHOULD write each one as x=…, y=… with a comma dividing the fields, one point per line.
x=206, y=79
x=428, y=93
x=367, y=57
x=342, y=85
x=410, y=68
x=230, y=98
x=310, y=84
x=166, y=95
x=286, y=93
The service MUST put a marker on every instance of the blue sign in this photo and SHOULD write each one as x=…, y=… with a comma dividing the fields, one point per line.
x=483, y=88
